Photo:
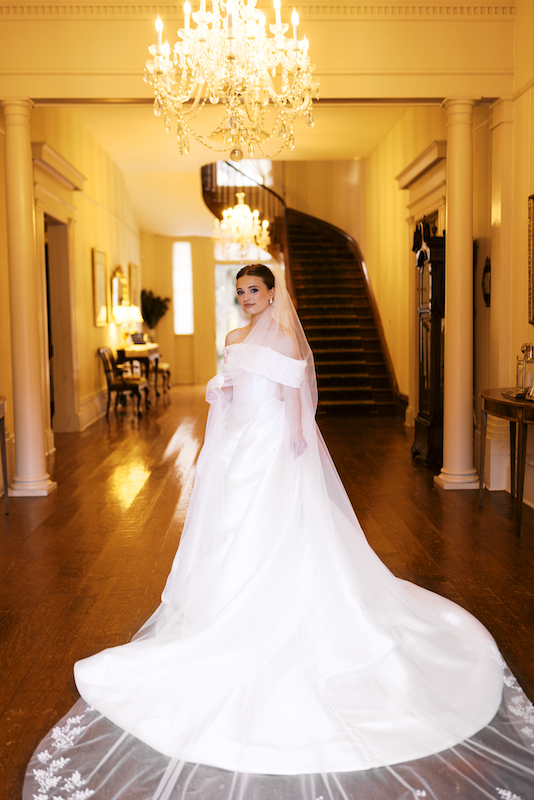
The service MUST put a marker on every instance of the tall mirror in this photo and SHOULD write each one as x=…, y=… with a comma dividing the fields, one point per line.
x=120, y=294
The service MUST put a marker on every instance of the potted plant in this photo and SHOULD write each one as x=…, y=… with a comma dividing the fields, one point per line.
x=153, y=308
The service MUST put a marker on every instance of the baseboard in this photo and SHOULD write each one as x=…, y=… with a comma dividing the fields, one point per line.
x=401, y=404
x=92, y=408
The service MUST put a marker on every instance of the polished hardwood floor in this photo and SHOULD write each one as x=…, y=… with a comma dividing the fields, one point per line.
x=83, y=568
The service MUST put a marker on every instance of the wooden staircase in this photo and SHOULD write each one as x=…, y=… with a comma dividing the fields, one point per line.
x=336, y=308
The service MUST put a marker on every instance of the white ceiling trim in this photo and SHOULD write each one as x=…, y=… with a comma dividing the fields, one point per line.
x=333, y=71
x=432, y=155
x=143, y=11
x=54, y=163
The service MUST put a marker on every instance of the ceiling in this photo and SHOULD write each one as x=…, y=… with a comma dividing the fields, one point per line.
x=165, y=186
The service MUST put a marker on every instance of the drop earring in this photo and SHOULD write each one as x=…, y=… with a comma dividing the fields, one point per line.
x=270, y=301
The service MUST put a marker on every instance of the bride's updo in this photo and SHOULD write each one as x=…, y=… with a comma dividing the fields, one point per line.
x=259, y=271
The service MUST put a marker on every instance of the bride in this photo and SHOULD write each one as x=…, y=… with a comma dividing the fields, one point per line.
x=285, y=661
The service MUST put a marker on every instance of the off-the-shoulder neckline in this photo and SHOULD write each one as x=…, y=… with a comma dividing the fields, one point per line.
x=265, y=347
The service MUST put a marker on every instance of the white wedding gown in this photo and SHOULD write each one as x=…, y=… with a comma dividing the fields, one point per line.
x=285, y=661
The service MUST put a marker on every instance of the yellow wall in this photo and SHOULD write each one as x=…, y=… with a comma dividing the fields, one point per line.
x=482, y=189
x=523, y=187
x=385, y=237
x=329, y=190
x=104, y=220
x=192, y=358
x=523, y=173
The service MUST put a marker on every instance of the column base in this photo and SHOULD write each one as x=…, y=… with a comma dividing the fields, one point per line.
x=457, y=480
x=31, y=487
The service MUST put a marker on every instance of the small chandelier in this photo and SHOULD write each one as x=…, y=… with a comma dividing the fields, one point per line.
x=229, y=60
x=241, y=226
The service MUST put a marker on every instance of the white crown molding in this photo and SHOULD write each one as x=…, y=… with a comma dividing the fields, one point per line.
x=429, y=69
x=432, y=155
x=330, y=71
x=53, y=163
x=496, y=11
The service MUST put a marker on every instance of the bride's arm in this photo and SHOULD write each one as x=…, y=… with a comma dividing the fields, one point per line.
x=287, y=345
x=215, y=392
x=291, y=398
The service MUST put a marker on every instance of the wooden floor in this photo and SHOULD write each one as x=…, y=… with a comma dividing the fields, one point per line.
x=82, y=569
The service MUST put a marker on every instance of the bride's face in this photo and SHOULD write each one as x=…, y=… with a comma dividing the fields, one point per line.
x=253, y=295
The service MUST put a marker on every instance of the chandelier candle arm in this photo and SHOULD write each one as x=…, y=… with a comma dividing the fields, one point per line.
x=261, y=83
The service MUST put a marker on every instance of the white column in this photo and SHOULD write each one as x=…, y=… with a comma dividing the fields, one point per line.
x=458, y=471
x=501, y=361
x=31, y=477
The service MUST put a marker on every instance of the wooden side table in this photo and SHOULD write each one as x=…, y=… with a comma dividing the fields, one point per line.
x=3, y=448
x=520, y=414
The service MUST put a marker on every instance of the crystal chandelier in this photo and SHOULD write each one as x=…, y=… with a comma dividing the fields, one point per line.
x=242, y=226
x=261, y=83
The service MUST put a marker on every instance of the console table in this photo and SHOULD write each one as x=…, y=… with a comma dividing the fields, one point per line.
x=3, y=448
x=520, y=414
x=146, y=354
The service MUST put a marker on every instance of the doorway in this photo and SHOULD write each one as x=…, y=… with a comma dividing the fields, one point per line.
x=59, y=299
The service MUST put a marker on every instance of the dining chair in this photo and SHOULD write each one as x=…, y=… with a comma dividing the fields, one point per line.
x=120, y=382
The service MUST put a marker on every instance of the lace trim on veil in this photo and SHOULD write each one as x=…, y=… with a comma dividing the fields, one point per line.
x=266, y=362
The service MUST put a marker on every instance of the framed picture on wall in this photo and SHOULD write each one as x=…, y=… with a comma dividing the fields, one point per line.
x=100, y=288
x=134, y=285
x=531, y=259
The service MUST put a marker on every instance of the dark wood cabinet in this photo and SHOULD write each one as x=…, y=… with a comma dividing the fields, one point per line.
x=430, y=266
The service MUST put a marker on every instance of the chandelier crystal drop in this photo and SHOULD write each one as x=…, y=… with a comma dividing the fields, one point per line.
x=261, y=83
x=241, y=226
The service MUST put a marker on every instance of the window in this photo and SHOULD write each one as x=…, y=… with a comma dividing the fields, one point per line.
x=182, y=288
x=250, y=172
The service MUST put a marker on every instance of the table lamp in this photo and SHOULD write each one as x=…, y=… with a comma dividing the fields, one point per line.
x=126, y=316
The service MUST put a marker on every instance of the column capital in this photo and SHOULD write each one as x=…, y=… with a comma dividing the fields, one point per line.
x=459, y=112
x=17, y=106
x=454, y=101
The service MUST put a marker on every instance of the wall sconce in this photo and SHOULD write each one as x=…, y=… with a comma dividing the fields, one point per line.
x=486, y=282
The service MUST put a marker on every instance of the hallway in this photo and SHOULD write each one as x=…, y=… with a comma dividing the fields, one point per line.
x=83, y=568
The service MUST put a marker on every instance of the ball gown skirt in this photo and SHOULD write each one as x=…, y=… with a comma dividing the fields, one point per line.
x=285, y=661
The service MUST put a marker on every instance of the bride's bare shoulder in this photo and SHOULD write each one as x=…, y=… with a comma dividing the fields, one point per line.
x=286, y=343
x=237, y=335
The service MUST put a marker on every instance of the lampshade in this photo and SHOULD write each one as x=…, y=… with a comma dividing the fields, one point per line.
x=135, y=314
x=121, y=314
x=127, y=315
